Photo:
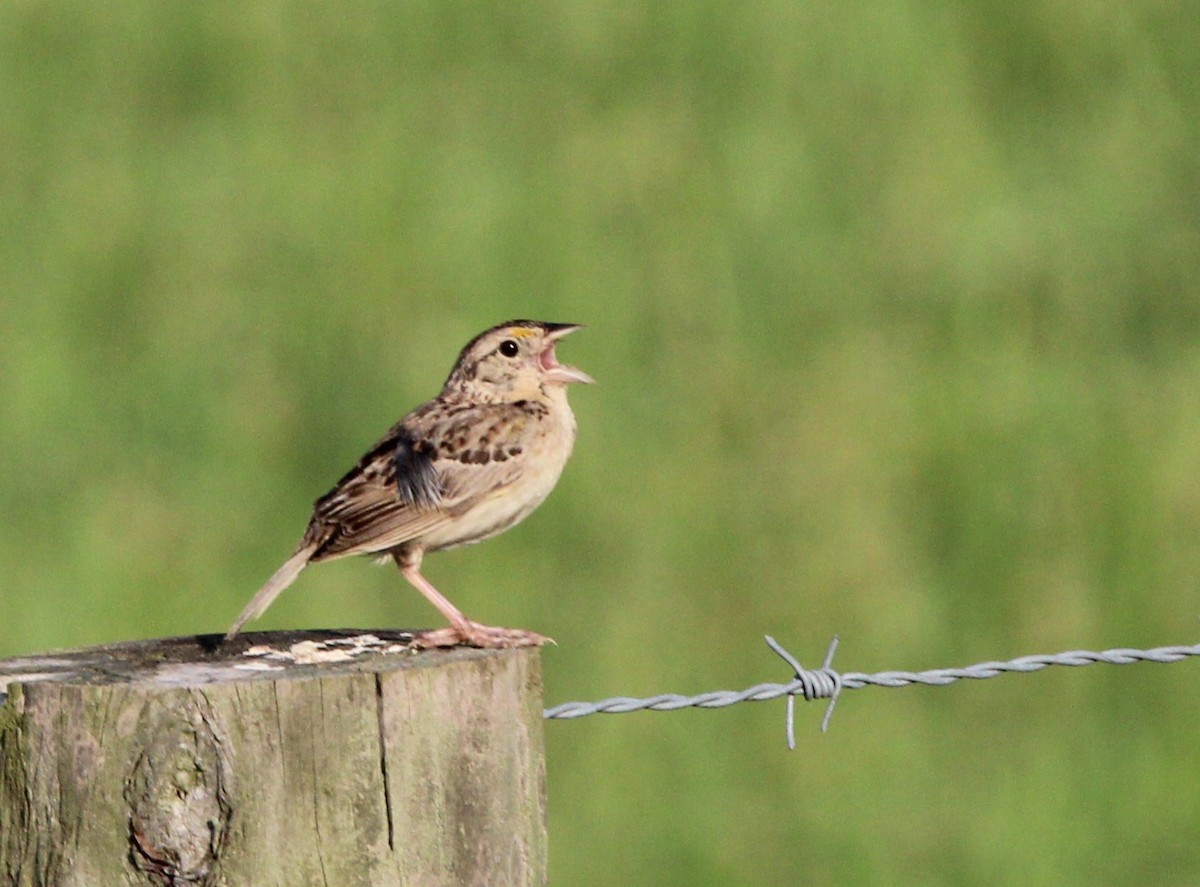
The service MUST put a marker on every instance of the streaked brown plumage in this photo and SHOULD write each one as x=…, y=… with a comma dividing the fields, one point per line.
x=469, y=464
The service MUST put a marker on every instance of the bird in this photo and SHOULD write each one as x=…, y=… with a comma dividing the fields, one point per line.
x=467, y=465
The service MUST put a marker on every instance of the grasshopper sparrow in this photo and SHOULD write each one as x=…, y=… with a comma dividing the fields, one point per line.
x=469, y=464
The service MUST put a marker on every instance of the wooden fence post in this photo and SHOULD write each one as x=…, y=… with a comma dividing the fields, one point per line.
x=282, y=758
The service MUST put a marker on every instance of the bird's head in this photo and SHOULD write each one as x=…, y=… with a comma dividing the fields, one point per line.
x=514, y=360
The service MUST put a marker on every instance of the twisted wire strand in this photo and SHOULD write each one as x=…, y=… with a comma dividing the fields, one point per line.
x=826, y=683
x=1022, y=665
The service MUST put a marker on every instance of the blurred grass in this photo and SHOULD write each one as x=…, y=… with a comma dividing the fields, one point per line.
x=895, y=314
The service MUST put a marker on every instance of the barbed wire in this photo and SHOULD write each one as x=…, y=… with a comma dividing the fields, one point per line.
x=827, y=683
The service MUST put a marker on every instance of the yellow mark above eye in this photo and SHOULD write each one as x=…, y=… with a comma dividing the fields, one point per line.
x=519, y=332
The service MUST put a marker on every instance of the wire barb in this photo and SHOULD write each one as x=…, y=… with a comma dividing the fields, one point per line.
x=826, y=683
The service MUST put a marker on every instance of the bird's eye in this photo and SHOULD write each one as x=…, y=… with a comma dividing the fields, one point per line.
x=508, y=348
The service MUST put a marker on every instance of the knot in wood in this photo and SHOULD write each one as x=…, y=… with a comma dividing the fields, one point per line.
x=176, y=791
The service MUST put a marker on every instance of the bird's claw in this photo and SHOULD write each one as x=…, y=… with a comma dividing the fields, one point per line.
x=473, y=634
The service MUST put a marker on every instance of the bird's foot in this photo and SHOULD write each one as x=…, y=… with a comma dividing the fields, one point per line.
x=473, y=634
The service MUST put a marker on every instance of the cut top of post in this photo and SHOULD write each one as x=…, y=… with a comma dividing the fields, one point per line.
x=206, y=659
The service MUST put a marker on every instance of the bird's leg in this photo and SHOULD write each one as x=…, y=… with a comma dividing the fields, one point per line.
x=462, y=630
x=454, y=615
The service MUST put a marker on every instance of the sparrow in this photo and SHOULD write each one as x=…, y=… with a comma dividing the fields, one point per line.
x=463, y=467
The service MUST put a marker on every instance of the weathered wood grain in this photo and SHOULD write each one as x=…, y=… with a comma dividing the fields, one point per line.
x=278, y=759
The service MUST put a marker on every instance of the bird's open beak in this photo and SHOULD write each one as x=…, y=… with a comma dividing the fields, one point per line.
x=561, y=372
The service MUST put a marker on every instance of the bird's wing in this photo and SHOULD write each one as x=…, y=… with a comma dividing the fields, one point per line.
x=430, y=468
x=481, y=449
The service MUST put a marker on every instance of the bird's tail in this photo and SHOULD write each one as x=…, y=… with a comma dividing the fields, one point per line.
x=283, y=577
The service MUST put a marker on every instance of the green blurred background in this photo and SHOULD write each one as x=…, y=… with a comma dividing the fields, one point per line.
x=895, y=313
